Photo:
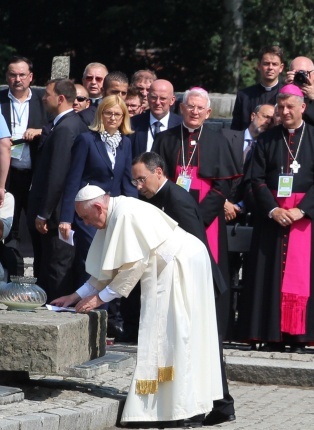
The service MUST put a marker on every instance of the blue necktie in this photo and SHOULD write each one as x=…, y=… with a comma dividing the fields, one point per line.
x=157, y=125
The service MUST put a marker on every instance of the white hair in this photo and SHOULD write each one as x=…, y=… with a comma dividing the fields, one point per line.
x=197, y=91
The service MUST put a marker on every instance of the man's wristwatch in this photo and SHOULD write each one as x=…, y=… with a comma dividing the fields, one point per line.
x=302, y=211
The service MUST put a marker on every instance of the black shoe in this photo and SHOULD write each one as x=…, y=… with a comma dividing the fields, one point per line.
x=126, y=338
x=192, y=422
x=298, y=348
x=273, y=347
x=216, y=417
x=114, y=330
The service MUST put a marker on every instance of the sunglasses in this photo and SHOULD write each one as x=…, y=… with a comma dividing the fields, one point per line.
x=97, y=78
x=81, y=98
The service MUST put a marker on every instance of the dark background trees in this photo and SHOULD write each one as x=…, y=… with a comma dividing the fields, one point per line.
x=206, y=43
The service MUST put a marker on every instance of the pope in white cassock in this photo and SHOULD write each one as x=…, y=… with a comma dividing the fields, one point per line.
x=177, y=375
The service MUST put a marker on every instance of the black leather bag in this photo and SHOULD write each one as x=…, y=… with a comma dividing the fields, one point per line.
x=239, y=237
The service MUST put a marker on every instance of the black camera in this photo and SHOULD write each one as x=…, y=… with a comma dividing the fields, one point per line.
x=300, y=77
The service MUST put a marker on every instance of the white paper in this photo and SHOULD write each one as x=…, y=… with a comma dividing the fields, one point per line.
x=59, y=309
x=16, y=150
x=70, y=241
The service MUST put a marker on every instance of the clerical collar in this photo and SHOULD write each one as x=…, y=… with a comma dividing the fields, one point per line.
x=191, y=130
x=161, y=186
x=292, y=130
x=269, y=88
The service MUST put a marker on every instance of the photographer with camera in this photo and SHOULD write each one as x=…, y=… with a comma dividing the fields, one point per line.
x=301, y=73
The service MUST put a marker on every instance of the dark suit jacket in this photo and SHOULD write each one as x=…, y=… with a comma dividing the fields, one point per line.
x=140, y=124
x=90, y=163
x=88, y=115
x=180, y=206
x=176, y=202
x=50, y=173
x=38, y=116
x=236, y=141
x=247, y=100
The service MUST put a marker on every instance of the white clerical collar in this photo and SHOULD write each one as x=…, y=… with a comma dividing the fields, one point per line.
x=14, y=99
x=292, y=130
x=164, y=121
x=269, y=88
x=60, y=116
x=161, y=186
x=191, y=130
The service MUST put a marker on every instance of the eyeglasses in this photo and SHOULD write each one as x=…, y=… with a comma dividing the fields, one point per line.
x=141, y=181
x=22, y=76
x=81, y=98
x=192, y=107
x=108, y=114
x=98, y=79
x=132, y=106
x=155, y=98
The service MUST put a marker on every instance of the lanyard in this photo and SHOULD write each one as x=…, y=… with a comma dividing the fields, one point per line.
x=295, y=166
x=186, y=167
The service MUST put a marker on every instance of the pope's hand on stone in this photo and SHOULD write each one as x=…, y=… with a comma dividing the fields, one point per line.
x=66, y=301
x=89, y=303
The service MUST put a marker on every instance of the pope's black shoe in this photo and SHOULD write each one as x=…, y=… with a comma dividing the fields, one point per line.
x=216, y=417
x=192, y=422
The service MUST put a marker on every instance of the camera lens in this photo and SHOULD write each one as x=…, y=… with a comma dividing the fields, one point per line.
x=300, y=77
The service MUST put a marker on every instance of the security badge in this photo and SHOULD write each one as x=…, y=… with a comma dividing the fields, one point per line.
x=285, y=183
x=184, y=180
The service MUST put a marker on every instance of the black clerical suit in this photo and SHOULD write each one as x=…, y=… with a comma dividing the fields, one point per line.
x=246, y=102
x=272, y=243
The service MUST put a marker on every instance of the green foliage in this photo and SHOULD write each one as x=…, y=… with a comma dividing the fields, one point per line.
x=6, y=52
x=184, y=41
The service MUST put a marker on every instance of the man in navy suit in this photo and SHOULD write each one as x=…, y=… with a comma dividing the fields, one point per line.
x=25, y=116
x=45, y=197
x=158, y=118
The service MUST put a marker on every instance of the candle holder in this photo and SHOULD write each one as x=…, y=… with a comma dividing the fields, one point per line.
x=22, y=294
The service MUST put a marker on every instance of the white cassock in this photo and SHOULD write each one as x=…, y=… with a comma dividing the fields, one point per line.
x=178, y=371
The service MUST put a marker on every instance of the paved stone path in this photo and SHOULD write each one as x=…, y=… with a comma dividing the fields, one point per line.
x=63, y=403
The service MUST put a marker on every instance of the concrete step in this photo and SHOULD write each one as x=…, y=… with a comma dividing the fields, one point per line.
x=10, y=395
x=98, y=366
x=281, y=368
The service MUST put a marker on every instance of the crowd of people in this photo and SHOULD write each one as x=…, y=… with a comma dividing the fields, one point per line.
x=128, y=195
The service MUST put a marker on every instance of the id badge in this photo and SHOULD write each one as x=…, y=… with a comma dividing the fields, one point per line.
x=285, y=183
x=184, y=182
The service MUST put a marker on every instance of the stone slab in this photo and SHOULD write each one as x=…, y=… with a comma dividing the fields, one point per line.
x=266, y=371
x=118, y=361
x=9, y=424
x=49, y=342
x=98, y=366
x=10, y=395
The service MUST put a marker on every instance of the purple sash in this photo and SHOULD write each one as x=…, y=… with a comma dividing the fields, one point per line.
x=204, y=185
x=295, y=288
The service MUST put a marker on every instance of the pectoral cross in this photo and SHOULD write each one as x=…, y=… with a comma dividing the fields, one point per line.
x=295, y=166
